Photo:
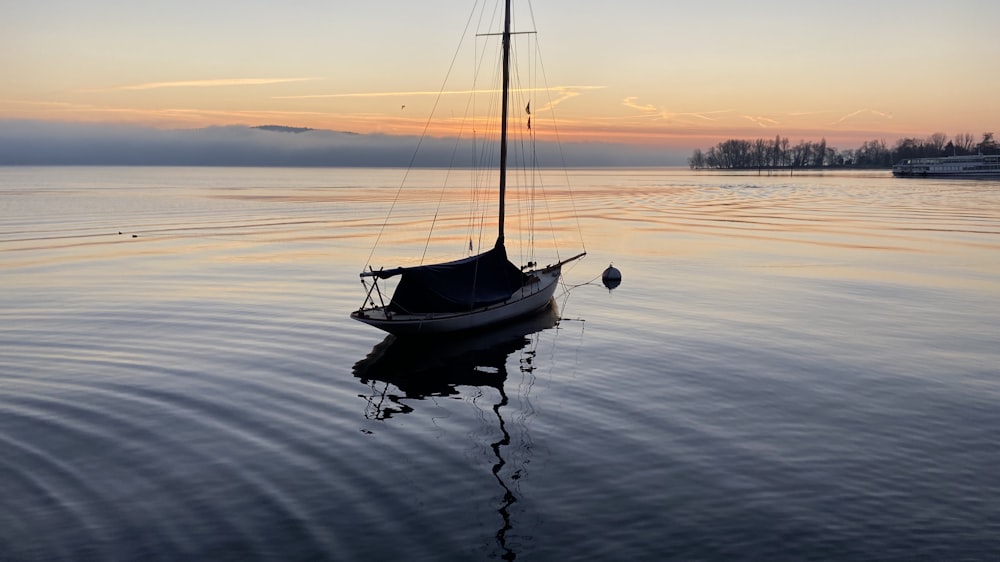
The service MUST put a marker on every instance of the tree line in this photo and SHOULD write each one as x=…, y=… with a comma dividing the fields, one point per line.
x=760, y=154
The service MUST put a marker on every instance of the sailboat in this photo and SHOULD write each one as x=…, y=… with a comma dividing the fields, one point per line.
x=471, y=293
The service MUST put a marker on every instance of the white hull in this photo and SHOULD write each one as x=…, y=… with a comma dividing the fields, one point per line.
x=533, y=297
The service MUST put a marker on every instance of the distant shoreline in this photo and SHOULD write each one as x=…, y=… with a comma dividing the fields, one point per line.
x=780, y=154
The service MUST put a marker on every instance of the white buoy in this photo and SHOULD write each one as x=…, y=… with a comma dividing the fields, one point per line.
x=611, y=277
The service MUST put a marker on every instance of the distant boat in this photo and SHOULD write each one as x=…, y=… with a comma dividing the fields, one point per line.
x=976, y=166
x=473, y=292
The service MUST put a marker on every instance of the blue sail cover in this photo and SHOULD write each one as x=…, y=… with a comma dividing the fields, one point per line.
x=456, y=286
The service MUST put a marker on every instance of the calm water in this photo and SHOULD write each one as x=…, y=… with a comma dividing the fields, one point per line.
x=802, y=368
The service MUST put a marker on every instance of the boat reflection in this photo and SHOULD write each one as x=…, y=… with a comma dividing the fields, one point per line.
x=419, y=368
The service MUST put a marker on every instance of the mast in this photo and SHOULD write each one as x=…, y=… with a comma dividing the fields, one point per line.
x=503, y=118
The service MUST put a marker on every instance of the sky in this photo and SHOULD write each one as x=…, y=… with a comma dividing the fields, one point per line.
x=655, y=74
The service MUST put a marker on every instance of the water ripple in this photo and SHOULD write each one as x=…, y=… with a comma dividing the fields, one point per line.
x=794, y=368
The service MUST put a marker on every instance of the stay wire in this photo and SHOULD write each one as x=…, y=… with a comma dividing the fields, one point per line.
x=423, y=135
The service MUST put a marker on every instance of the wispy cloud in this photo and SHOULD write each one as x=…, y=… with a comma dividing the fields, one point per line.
x=565, y=92
x=376, y=94
x=646, y=108
x=53, y=105
x=213, y=83
x=166, y=116
x=862, y=112
x=661, y=114
x=761, y=121
x=805, y=113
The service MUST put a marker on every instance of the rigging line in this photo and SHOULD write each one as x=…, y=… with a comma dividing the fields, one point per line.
x=481, y=157
x=437, y=210
x=515, y=173
x=423, y=135
x=532, y=156
x=491, y=150
x=555, y=129
x=531, y=177
x=548, y=213
x=471, y=213
x=479, y=203
x=478, y=61
x=583, y=327
x=525, y=155
x=568, y=287
x=469, y=106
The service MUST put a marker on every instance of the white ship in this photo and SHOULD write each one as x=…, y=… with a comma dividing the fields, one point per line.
x=976, y=166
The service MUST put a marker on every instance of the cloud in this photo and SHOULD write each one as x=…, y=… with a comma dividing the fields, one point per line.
x=854, y=114
x=662, y=114
x=706, y=115
x=214, y=83
x=379, y=94
x=761, y=121
x=647, y=108
x=14, y=109
x=564, y=93
x=805, y=113
x=37, y=103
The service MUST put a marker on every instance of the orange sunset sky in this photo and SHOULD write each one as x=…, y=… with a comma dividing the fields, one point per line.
x=679, y=75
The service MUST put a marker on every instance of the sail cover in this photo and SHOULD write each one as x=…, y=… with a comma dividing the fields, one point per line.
x=456, y=286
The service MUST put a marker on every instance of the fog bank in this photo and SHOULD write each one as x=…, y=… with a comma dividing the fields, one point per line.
x=56, y=143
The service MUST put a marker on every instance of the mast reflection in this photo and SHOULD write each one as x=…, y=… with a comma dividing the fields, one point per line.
x=419, y=368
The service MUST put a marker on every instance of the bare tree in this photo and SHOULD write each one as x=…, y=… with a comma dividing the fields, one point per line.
x=760, y=153
x=988, y=145
x=697, y=160
x=938, y=141
x=964, y=143
x=819, y=154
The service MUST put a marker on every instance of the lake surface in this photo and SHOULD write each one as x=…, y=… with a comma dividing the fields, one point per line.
x=794, y=368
